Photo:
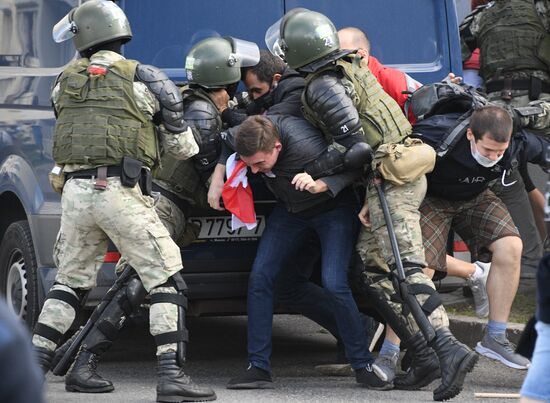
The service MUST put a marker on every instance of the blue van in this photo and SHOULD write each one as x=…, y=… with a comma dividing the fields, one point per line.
x=419, y=37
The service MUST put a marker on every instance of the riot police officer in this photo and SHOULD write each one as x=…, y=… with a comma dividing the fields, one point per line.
x=513, y=37
x=180, y=182
x=213, y=70
x=343, y=99
x=106, y=142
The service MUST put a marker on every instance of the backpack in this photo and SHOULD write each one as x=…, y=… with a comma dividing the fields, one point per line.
x=444, y=97
x=449, y=106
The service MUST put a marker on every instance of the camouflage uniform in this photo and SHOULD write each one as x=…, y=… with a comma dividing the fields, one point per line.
x=123, y=214
x=514, y=41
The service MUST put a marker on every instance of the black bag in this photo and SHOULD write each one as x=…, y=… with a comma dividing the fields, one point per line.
x=442, y=132
x=444, y=97
x=130, y=172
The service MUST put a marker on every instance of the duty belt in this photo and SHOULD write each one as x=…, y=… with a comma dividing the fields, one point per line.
x=534, y=85
x=92, y=173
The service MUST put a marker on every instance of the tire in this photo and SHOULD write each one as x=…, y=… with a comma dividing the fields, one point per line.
x=18, y=272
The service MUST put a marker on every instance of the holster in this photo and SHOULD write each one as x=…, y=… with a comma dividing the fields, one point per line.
x=535, y=88
x=146, y=182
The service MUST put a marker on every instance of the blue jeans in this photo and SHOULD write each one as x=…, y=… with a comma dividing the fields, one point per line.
x=282, y=239
x=537, y=383
x=295, y=291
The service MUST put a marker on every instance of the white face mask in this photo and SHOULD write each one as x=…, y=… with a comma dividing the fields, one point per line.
x=482, y=160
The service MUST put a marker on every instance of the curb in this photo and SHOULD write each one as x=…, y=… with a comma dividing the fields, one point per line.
x=470, y=330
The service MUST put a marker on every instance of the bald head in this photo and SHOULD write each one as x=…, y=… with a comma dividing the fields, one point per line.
x=354, y=38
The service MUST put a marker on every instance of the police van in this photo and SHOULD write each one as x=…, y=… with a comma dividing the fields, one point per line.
x=419, y=37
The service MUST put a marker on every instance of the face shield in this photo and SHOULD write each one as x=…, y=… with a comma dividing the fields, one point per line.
x=273, y=39
x=274, y=34
x=245, y=53
x=65, y=29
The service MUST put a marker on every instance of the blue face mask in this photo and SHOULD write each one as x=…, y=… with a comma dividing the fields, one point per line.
x=480, y=159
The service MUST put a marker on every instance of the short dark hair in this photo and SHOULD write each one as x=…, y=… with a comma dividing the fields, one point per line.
x=359, y=38
x=492, y=120
x=256, y=133
x=267, y=67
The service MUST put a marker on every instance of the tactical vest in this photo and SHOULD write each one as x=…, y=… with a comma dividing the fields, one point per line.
x=381, y=117
x=181, y=176
x=512, y=38
x=99, y=121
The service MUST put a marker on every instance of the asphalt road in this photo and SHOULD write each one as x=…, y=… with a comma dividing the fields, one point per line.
x=217, y=352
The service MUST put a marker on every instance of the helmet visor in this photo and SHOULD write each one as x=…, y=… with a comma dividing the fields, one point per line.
x=245, y=53
x=65, y=29
x=272, y=39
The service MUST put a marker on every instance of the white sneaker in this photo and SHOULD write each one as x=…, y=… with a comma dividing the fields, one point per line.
x=479, y=290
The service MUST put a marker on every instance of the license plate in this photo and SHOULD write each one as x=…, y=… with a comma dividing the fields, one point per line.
x=217, y=228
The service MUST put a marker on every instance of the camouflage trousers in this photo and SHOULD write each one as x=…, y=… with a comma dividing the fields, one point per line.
x=374, y=246
x=89, y=218
x=163, y=317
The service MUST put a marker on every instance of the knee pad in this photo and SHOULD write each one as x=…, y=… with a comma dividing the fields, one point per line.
x=381, y=303
x=68, y=295
x=434, y=299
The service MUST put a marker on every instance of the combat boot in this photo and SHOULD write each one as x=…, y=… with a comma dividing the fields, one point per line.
x=455, y=361
x=83, y=376
x=43, y=358
x=174, y=386
x=423, y=368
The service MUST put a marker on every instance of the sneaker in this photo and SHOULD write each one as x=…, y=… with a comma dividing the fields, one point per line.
x=501, y=349
x=385, y=367
x=479, y=290
x=368, y=377
x=253, y=378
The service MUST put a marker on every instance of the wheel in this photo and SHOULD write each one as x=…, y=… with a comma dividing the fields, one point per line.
x=18, y=272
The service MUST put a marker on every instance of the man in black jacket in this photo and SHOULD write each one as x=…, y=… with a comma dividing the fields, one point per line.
x=459, y=198
x=274, y=89
x=279, y=147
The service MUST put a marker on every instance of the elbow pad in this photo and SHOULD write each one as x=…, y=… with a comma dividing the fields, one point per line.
x=167, y=94
x=205, y=122
x=327, y=96
x=334, y=161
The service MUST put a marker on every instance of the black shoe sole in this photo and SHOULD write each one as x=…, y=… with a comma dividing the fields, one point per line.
x=251, y=385
x=178, y=399
x=81, y=389
x=466, y=365
x=432, y=376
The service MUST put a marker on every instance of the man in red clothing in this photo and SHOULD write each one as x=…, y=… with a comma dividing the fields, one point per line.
x=394, y=81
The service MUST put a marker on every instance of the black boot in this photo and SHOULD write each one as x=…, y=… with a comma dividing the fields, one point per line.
x=423, y=367
x=83, y=376
x=174, y=386
x=455, y=360
x=43, y=358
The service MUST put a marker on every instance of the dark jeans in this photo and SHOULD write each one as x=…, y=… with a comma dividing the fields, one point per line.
x=282, y=239
x=298, y=294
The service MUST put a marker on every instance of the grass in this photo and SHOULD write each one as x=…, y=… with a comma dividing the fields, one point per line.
x=522, y=308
